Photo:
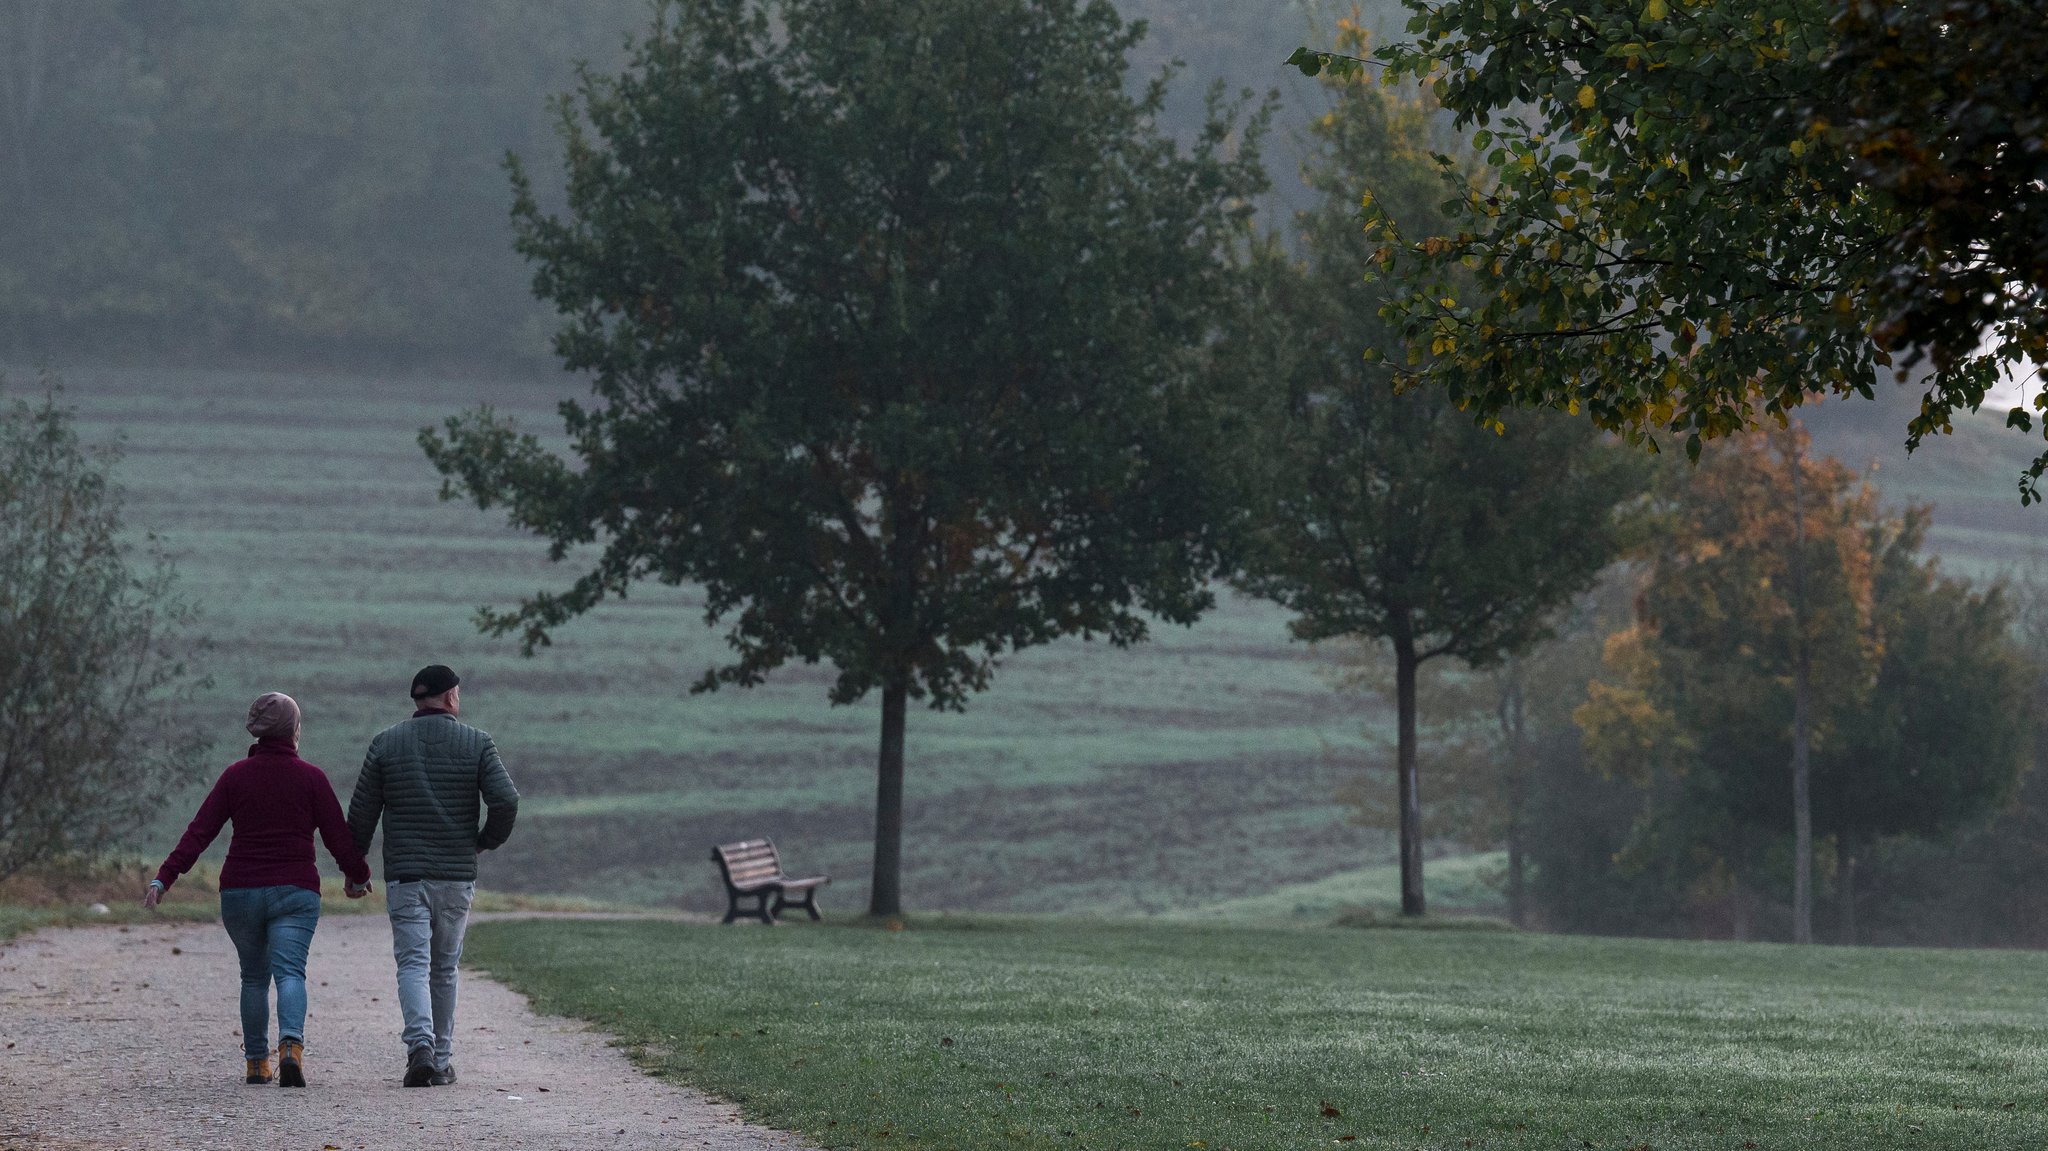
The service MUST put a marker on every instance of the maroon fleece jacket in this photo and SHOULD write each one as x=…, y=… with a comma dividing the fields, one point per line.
x=275, y=800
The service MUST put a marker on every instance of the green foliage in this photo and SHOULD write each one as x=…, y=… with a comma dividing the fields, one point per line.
x=1937, y=108
x=1945, y=731
x=92, y=649
x=1071, y=1033
x=1392, y=514
x=1664, y=239
x=893, y=313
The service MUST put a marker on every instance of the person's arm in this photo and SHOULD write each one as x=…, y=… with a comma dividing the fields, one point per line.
x=366, y=805
x=335, y=833
x=199, y=834
x=501, y=799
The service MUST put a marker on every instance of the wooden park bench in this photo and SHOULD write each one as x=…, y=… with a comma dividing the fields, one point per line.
x=753, y=870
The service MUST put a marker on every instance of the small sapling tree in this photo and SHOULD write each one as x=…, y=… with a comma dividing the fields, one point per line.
x=1395, y=516
x=92, y=675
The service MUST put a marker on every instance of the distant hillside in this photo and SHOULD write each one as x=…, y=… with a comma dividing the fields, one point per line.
x=250, y=182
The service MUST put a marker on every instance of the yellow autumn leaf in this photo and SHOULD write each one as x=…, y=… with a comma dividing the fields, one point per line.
x=1586, y=96
x=1655, y=10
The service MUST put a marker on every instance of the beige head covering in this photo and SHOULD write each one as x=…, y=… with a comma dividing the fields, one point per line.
x=274, y=715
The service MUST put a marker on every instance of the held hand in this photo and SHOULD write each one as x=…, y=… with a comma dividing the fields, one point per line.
x=152, y=895
x=354, y=892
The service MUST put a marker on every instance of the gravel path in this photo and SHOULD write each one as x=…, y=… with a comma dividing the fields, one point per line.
x=128, y=1038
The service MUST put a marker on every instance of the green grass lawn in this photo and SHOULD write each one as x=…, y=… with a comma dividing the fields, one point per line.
x=996, y=1032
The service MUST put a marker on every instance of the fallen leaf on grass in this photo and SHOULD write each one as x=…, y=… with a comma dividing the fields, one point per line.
x=945, y=1040
x=1330, y=1112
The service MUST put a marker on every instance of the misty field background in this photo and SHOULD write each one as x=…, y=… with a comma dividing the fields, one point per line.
x=1192, y=776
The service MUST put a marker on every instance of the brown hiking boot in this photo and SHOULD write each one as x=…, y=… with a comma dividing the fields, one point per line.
x=259, y=1070
x=291, y=1060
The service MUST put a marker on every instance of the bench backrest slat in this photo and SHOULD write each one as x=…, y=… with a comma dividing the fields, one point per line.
x=748, y=859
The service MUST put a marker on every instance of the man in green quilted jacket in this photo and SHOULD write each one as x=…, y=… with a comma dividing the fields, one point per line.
x=429, y=779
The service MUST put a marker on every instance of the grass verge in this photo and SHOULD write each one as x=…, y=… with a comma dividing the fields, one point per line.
x=983, y=1033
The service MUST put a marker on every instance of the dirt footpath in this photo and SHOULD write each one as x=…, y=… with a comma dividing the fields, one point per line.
x=129, y=1038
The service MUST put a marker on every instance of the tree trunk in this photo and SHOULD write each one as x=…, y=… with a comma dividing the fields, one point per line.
x=885, y=894
x=1405, y=664
x=1846, y=871
x=1802, y=723
x=1512, y=713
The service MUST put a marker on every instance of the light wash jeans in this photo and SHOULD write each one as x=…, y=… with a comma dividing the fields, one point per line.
x=272, y=928
x=428, y=917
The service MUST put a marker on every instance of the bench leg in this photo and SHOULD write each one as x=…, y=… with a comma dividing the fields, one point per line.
x=758, y=911
x=808, y=903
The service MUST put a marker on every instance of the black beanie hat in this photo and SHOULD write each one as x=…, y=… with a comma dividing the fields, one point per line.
x=434, y=679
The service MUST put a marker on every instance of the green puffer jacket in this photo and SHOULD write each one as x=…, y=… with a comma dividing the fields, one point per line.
x=428, y=778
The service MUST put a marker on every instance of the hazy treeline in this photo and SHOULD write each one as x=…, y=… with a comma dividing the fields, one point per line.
x=209, y=178
x=1636, y=767
x=231, y=176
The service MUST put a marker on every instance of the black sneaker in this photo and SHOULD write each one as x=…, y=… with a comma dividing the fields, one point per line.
x=443, y=1076
x=419, y=1066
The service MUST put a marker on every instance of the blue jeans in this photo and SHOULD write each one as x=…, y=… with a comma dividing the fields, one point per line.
x=273, y=929
x=428, y=918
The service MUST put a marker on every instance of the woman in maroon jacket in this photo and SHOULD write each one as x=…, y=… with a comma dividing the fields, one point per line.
x=270, y=886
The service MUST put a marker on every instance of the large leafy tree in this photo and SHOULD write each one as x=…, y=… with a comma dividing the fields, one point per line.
x=1697, y=214
x=1794, y=666
x=894, y=311
x=93, y=641
x=1395, y=516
